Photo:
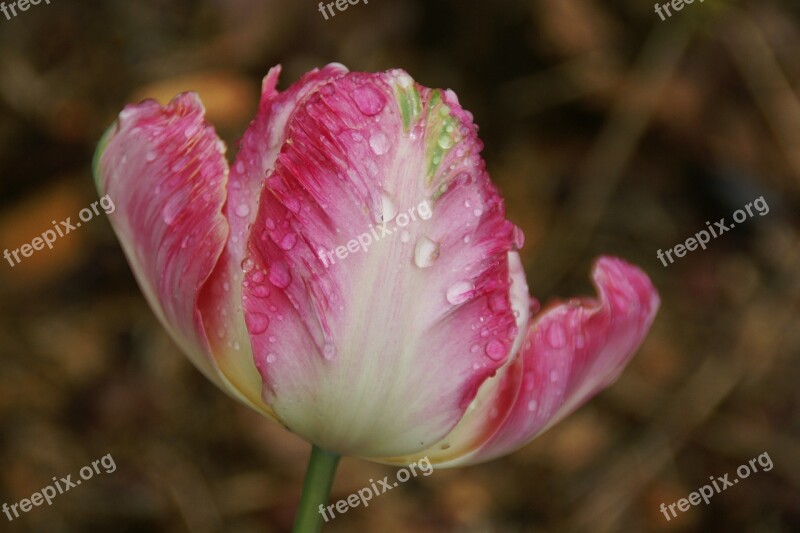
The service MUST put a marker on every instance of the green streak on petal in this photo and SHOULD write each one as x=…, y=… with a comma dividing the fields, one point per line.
x=410, y=105
x=98, y=153
x=441, y=134
x=440, y=190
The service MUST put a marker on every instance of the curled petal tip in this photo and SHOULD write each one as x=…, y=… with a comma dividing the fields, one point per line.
x=571, y=351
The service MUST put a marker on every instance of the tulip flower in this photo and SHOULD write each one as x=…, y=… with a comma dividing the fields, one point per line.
x=424, y=343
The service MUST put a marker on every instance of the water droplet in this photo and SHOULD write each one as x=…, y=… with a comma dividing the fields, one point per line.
x=498, y=302
x=579, y=340
x=226, y=286
x=445, y=141
x=403, y=79
x=477, y=212
x=272, y=338
x=532, y=405
x=221, y=332
x=258, y=276
x=247, y=264
x=379, y=142
x=484, y=330
x=279, y=275
x=329, y=351
x=256, y=322
x=236, y=346
x=292, y=204
x=288, y=241
x=369, y=100
x=519, y=238
x=474, y=348
x=388, y=209
x=459, y=292
x=169, y=213
x=151, y=155
x=242, y=210
x=553, y=376
x=271, y=358
x=270, y=223
x=556, y=336
x=260, y=291
x=185, y=241
x=127, y=113
x=405, y=236
x=426, y=252
x=496, y=350
x=467, y=238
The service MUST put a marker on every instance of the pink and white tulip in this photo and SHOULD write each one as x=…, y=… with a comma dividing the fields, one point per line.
x=428, y=344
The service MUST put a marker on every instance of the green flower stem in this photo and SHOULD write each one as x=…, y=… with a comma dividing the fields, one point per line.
x=316, y=490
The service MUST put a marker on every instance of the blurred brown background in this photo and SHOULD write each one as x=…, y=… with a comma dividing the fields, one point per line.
x=608, y=131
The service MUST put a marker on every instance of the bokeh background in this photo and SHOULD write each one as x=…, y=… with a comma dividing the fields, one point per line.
x=607, y=130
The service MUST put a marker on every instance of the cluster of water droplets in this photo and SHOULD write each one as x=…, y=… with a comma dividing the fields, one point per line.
x=493, y=343
x=258, y=282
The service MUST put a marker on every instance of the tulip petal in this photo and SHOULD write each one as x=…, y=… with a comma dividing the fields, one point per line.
x=221, y=298
x=165, y=170
x=571, y=351
x=377, y=348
